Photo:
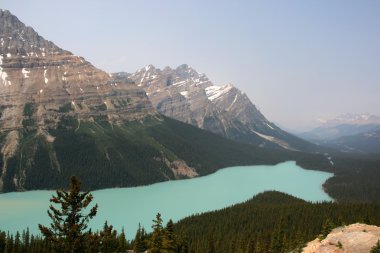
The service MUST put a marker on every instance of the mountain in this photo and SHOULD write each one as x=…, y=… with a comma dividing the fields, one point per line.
x=353, y=119
x=348, y=133
x=61, y=116
x=368, y=142
x=343, y=125
x=186, y=95
x=45, y=88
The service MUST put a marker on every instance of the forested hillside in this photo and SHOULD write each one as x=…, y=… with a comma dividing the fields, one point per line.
x=270, y=222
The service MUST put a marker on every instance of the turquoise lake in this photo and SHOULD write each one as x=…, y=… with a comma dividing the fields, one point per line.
x=126, y=207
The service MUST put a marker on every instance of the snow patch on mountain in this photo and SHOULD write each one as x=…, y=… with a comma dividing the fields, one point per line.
x=185, y=94
x=214, y=92
x=25, y=73
x=275, y=140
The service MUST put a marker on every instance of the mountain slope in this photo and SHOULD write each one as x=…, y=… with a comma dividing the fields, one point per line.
x=44, y=87
x=62, y=116
x=190, y=97
x=368, y=142
x=270, y=222
x=348, y=133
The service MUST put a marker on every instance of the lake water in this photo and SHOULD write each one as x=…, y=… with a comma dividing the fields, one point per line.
x=126, y=207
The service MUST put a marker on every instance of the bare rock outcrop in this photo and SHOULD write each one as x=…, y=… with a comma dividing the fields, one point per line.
x=355, y=238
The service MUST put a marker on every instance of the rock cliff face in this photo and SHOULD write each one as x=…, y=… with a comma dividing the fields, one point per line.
x=188, y=96
x=355, y=238
x=40, y=83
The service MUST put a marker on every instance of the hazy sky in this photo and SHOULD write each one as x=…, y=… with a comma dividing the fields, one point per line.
x=296, y=60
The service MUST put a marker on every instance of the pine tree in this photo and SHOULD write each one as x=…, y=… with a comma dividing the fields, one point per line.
x=139, y=244
x=16, y=244
x=108, y=239
x=92, y=243
x=67, y=231
x=123, y=243
x=182, y=243
x=9, y=244
x=169, y=242
x=157, y=237
x=3, y=241
x=25, y=240
x=326, y=228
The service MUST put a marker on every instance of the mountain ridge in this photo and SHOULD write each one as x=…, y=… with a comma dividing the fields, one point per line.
x=186, y=95
x=348, y=133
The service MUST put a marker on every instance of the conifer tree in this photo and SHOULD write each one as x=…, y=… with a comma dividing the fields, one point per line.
x=169, y=241
x=139, y=244
x=157, y=237
x=182, y=243
x=123, y=243
x=3, y=241
x=25, y=240
x=108, y=239
x=67, y=231
x=16, y=244
x=92, y=242
x=9, y=244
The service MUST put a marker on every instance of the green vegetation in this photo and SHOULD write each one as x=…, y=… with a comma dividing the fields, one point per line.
x=271, y=222
x=134, y=153
x=356, y=179
x=101, y=107
x=65, y=108
x=67, y=232
x=29, y=109
x=105, y=155
x=376, y=248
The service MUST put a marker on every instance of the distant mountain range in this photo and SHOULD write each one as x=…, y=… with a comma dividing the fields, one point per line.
x=348, y=133
x=186, y=95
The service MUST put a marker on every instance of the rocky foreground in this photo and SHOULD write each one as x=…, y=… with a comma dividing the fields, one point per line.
x=358, y=238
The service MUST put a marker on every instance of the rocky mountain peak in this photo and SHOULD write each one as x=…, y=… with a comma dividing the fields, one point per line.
x=184, y=94
x=185, y=71
x=19, y=39
x=351, y=119
x=40, y=83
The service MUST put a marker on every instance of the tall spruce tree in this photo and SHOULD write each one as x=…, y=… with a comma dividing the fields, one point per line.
x=140, y=244
x=108, y=239
x=157, y=238
x=170, y=241
x=122, y=240
x=67, y=231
